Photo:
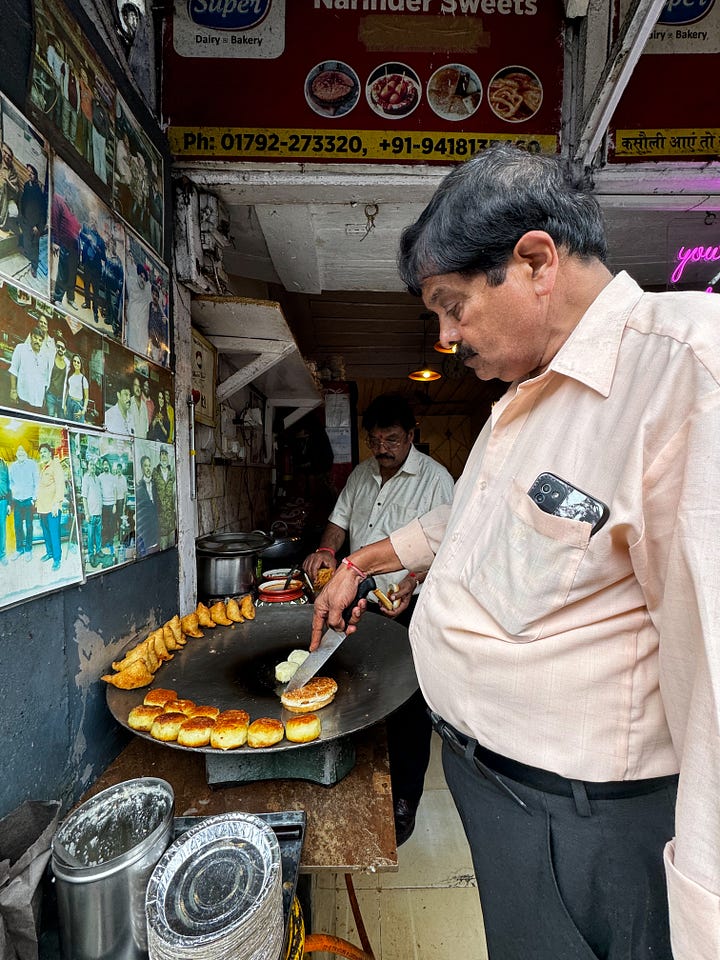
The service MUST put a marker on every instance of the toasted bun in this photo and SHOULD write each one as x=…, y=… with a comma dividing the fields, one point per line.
x=159, y=697
x=265, y=732
x=167, y=725
x=316, y=694
x=180, y=706
x=141, y=718
x=207, y=711
x=303, y=729
x=228, y=734
x=242, y=716
x=195, y=732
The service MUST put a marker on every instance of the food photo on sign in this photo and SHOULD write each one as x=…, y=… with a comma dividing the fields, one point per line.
x=103, y=472
x=393, y=90
x=332, y=88
x=39, y=542
x=50, y=364
x=86, y=276
x=24, y=186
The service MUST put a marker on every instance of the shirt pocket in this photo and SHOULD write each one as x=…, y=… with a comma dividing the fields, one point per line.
x=522, y=571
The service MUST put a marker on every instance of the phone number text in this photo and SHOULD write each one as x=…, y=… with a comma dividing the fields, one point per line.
x=236, y=143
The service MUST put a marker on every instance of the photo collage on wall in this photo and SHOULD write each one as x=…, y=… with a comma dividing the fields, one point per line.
x=87, y=423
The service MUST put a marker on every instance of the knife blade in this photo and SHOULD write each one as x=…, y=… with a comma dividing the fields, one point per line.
x=329, y=643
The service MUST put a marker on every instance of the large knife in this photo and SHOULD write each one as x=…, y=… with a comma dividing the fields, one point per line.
x=329, y=643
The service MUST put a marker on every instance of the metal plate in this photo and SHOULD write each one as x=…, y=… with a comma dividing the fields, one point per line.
x=234, y=668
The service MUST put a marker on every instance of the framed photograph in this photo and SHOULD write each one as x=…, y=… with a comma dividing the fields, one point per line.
x=103, y=470
x=50, y=363
x=204, y=372
x=24, y=185
x=133, y=403
x=87, y=254
x=155, y=499
x=39, y=537
x=147, y=303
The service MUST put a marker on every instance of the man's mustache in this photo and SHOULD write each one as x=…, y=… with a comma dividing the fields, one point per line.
x=464, y=351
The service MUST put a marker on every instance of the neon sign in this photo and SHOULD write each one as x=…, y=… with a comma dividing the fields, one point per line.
x=698, y=254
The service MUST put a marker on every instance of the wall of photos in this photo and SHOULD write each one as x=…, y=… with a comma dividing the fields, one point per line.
x=85, y=344
x=88, y=511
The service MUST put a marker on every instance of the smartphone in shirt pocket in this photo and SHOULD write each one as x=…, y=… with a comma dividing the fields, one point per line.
x=562, y=499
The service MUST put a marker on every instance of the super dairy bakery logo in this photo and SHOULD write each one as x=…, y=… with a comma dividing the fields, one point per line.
x=228, y=14
x=676, y=12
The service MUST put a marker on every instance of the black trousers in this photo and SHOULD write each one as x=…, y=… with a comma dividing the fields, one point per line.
x=571, y=876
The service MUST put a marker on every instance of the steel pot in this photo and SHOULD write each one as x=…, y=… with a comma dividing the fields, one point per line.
x=102, y=858
x=226, y=562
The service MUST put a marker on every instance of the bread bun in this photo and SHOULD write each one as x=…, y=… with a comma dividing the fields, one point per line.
x=195, y=732
x=303, y=729
x=141, y=718
x=159, y=697
x=207, y=711
x=242, y=716
x=166, y=726
x=229, y=733
x=180, y=706
x=265, y=732
x=316, y=694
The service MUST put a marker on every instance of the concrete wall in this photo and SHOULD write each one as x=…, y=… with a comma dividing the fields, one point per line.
x=56, y=732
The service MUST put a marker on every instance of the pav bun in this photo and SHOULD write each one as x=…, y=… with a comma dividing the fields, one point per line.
x=229, y=733
x=195, y=732
x=303, y=728
x=316, y=694
x=265, y=732
x=142, y=717
x=166, y=726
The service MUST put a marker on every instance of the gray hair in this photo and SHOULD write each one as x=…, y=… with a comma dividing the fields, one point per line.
x=483, y=207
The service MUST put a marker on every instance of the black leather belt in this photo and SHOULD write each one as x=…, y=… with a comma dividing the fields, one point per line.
x=546, y=780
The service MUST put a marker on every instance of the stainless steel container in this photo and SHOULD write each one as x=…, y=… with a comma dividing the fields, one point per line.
x=102, y=858
x=226, y=562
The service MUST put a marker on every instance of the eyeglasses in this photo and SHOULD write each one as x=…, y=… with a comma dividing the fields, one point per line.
x=390, y=443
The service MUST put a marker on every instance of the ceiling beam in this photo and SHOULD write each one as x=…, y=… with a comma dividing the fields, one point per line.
x=624, y=55
x=241, y=378
x=290, y=237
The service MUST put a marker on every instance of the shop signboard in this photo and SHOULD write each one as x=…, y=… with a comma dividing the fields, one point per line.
x=671, y=114
x=395, y=81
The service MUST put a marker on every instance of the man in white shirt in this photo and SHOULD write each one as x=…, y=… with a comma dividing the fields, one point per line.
x=30, y=372
x=117, y=417
x=138, y=412
x=92, y=507
x=395, y=485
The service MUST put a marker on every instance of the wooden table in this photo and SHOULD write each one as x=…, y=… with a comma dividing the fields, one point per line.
x=350, y=825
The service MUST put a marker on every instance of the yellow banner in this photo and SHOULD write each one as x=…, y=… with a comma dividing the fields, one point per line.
x=248, y=143
x=667, y=143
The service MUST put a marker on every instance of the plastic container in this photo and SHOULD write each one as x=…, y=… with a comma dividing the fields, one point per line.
x=102, y=858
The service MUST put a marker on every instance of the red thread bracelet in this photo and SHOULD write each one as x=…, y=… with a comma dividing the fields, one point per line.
x=355, y=569
x=326, y=550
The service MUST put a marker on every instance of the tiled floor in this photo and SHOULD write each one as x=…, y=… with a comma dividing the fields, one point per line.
x=429, y=909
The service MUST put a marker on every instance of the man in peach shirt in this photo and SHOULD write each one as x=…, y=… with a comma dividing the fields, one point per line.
x=567, y=638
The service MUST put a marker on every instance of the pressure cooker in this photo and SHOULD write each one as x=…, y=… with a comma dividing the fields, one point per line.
x=226, y=562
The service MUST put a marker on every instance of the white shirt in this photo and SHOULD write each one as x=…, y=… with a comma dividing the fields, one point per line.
x=370, y=510
x=117, y=422
x=138, y=417
x=32, y=371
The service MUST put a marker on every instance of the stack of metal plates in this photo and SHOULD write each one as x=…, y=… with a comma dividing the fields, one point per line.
x=216, y=894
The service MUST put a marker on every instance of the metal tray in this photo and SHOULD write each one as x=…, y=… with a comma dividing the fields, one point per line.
x=234, y=668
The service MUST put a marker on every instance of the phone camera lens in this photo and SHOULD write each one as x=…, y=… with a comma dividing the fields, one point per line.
x=539, y=497
x=546, y=488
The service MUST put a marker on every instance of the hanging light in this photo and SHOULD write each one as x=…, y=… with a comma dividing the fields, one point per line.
x=426, y=373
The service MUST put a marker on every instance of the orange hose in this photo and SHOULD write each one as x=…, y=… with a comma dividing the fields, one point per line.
x=323, y=942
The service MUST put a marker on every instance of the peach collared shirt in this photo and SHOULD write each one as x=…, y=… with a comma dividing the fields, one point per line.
x=597, y=657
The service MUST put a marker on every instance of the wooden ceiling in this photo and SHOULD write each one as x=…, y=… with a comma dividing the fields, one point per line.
x=376, y=340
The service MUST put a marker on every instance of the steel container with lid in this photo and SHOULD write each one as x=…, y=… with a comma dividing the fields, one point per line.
x=102, y=858
x=226, y=562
